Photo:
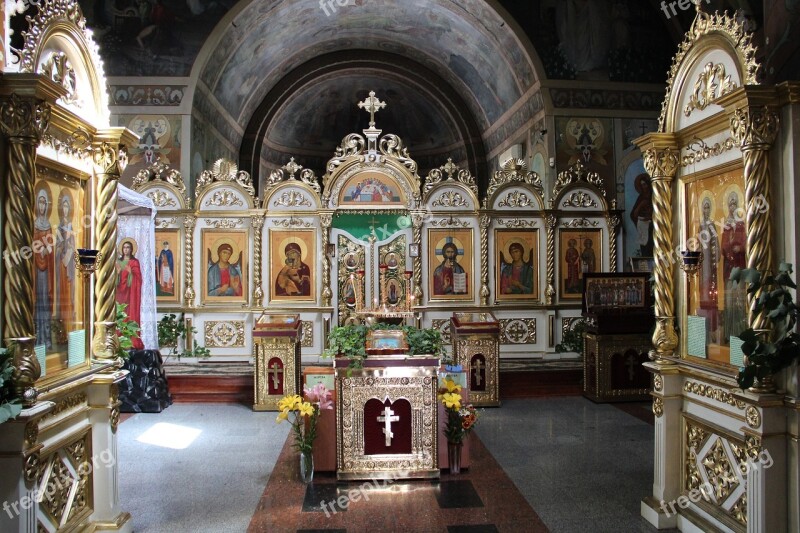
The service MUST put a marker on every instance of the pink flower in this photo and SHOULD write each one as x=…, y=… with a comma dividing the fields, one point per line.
x=320, y=395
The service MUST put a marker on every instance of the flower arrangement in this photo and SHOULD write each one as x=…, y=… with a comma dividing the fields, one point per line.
x=304, y=423
x=460, y=419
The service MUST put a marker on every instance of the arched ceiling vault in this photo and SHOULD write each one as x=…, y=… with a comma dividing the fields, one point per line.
x=480, y=61
x=314, y=107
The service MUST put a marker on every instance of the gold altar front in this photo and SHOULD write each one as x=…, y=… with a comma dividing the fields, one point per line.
x=476, y=347
x=276, y=352
x=396, y=379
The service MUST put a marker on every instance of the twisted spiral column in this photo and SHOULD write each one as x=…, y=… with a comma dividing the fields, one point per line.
x=661, y=164
x=108, y=160
x=755, y=130
x=613, y=228
x=550, y=291
x=23, y=121
x=485, y=221
x=326, y=219
x=417, y=220
x=188, y=251
x=258, y=290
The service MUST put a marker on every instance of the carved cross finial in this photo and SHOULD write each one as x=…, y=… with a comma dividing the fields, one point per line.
x=450, y=168
x=372, y=105
x=291, y=167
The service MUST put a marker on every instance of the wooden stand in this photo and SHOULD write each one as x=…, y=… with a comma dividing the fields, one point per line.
x=325, y=444
x=476, y=347
x=612, y=367
x=276, y=351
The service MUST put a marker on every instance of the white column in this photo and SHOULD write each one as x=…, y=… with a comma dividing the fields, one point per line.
x=19, y=506
x=104, y=418
x=667, y=446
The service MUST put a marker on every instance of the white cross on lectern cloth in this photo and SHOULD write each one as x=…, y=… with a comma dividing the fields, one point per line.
x=387, y=418
x=275, y=371
x=477, y=366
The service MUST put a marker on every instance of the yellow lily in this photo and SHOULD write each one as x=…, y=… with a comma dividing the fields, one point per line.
x=452, y=400
x=451, y=385
x=306, y=409
x=283, y=415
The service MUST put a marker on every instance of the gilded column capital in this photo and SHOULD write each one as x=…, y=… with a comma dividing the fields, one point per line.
x=24, y=117
x=662, y=163
x=485, y=221
x=189, y=221
x=326, y=219
x=258, y=222
x=109, y=159
x=754, y=128
x=417, y=219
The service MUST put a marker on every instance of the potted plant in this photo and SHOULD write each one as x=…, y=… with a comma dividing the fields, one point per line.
x=572, y=339
x=768, y=351
x=10, y=403
x=350, y=342
x=172, y=332
x=127, y=330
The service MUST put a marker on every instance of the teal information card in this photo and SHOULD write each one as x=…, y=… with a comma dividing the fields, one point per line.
x=41, y=355
x=737, y=355
x=325, y=379
x=696, y=340
x=76, y=348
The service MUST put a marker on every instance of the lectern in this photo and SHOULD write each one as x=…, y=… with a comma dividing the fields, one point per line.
x=476, y=347
x=619, y=320
x=276, y=351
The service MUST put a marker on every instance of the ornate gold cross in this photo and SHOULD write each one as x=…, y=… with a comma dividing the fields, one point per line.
x=276, y=370
x=477, y=366
x=372, y=105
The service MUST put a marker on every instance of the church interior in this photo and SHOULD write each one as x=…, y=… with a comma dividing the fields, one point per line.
x=399, y=265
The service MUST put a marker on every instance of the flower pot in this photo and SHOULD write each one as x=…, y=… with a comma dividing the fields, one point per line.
x=454, y=457
x=306, y=467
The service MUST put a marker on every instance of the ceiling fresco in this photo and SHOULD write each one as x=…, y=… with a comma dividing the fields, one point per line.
x=316, y=118
x=465, y=42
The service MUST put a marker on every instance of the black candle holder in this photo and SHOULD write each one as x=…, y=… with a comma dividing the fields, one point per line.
x=88, y=260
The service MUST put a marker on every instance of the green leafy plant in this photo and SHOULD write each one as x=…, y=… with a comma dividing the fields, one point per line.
x=127, y=330
x=572, y=339
x=350, y=341
x=769, y=351
x=172, y=333
x=10, y=403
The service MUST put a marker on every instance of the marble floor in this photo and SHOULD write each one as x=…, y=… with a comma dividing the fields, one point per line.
x=559, y=464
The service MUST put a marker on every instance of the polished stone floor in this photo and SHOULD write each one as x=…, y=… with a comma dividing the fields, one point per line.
x=573, y=464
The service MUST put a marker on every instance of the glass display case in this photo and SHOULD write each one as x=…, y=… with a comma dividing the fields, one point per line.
x=716, y=307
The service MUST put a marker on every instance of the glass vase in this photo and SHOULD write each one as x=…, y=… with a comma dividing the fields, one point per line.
x=454, y=457
x=306, y=467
